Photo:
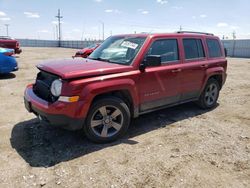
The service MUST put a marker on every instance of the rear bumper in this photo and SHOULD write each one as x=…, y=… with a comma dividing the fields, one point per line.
x=55, y=114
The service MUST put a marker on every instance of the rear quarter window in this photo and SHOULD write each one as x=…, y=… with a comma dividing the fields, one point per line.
x=214, y=49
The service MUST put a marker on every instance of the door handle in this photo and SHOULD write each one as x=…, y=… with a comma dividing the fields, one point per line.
x=176, y=70
x=204, y=66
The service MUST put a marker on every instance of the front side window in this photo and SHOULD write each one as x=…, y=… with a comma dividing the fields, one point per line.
x=118, y=49
x=214, y=49
x=193, y=48
x=166, y=48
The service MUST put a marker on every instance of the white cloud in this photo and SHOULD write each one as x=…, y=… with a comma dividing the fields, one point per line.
x=5, y=19
x=142, y=11
x=203, y=15
x=222, y=24
x=109, y=10
x=145, y=12
x=177, y=7
x=193, y=17
x=162, y=1
x=112, y=11
x=98, y=1
x=31, y=15
x=2, y=13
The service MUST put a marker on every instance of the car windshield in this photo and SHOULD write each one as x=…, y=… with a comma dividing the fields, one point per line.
x=118, y=49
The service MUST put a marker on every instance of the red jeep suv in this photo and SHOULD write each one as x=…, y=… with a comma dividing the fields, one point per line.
x=128, y=75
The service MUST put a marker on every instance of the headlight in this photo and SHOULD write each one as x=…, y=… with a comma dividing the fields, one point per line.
x=56, y=88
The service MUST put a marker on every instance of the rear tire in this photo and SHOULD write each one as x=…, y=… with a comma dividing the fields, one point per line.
x=209, y=96
x=108, y=119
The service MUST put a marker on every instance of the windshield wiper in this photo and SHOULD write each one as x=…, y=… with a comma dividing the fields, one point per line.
x=100, y=59
x=109, y=61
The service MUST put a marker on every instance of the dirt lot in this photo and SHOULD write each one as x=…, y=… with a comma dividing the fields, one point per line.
x=178, y=147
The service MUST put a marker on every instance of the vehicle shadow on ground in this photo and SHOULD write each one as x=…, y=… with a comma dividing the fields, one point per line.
x=7, y=76
x=41, y=145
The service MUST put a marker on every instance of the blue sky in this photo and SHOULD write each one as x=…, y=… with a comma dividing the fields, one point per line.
x=83, y=18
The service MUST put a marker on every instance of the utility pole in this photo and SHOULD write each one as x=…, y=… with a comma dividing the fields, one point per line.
x=180, y=28
x=7, y=29
x=59, y=27
x=234, y=35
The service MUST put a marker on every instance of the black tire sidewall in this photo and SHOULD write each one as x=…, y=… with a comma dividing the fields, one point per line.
x=114, y=101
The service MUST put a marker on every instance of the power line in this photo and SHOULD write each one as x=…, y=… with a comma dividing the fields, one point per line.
x=59, y=17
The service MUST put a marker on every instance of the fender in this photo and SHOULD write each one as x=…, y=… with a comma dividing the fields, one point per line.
x=212, y=72
x=90, y=91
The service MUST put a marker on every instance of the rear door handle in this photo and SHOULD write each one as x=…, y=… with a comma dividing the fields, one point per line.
x=176, y=70
x=204, y=66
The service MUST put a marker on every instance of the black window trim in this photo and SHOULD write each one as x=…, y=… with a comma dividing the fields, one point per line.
x=194, y=59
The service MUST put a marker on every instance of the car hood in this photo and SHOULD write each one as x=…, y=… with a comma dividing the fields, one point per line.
x=73, y=68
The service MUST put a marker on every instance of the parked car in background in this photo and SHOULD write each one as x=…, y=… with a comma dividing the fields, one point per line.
x=8, y=42
x=127, y=76
x=7, y=61
x=85, y=52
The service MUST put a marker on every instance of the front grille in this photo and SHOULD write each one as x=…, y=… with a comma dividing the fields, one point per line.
x=42, y=86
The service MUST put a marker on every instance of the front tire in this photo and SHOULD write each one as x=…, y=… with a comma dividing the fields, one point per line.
x=108, y=119
x=210, y=94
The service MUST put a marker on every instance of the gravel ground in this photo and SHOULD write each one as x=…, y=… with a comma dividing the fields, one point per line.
x=181, y=146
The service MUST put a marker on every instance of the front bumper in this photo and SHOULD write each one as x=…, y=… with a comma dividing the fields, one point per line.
x=58, y=114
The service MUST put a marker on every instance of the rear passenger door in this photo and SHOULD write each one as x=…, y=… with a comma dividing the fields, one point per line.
x=194, y=67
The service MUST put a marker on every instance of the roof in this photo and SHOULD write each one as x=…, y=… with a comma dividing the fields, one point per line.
x=175, y=34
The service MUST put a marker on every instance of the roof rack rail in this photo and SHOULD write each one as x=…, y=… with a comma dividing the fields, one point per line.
x=195, y=32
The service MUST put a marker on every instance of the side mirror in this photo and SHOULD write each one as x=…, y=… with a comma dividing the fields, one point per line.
x=151, y=61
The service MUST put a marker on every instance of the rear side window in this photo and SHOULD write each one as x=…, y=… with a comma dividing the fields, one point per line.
x=193, y=48
x=166, y=48
x=214, y=49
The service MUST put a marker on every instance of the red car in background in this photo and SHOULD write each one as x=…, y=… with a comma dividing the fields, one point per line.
x=85, y=52
x=7, y=42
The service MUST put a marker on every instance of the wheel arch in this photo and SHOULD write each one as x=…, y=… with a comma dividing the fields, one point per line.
x=217, y=73
x=124, y=89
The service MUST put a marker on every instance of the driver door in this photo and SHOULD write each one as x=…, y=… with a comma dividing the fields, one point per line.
x=160, y=86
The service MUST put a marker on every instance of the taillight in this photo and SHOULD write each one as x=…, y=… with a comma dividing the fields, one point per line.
x=17, y=45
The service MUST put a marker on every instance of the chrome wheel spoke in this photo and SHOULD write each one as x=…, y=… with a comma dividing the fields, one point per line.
x=116, y=113
x=104, y=132
x=117, y=126
x=103, y=111
x=95, y=123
